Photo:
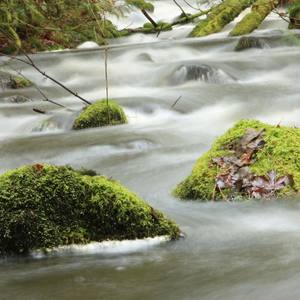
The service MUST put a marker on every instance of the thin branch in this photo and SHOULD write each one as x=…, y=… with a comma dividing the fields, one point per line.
x=32, y=64
x=149, y=18
x=38, y=89
x=177, y=100
x=182, y=10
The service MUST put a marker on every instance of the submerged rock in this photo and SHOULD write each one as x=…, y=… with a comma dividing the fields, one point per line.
x=44, y=206
x=101, y=113
x=249, y=42
x=15, y=99
x=251, y=160
x=200, y=72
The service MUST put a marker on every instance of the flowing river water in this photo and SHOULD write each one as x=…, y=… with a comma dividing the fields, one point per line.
x=232, y=250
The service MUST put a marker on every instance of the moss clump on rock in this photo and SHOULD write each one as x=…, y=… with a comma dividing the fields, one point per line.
x=294, y=15
x=18, y=82
x=280, y=154
x=101, y=113
x=220, y=16
x=44, y=206
x=260, y=10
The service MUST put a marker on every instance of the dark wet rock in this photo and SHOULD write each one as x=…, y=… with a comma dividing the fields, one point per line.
x=250, y=42
x=200, y=72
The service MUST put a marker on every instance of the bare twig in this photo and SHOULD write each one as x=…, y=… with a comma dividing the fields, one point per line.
x=149, y=17
x=177, y=100
x=30, y=62
x=106, y=81
x=38, y=89
x=182, y=10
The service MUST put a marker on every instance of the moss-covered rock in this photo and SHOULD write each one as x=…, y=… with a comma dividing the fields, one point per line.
x=280, y=154
x=11, y=81
x=18, y=82
x=220, y=16
x=101, y=113
x=44, y=206
x=294, y=14
x=249, y=42
x=260, y=10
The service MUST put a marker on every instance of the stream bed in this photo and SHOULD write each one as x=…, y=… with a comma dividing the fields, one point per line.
x=231, y=251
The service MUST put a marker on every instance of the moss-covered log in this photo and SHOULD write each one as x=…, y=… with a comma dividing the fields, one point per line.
x=220, y=16
x=101, y=113
x=44, y=206
x=279, y=153
x=260, y=10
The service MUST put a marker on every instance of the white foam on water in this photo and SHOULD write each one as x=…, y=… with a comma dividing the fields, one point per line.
x=106, y=247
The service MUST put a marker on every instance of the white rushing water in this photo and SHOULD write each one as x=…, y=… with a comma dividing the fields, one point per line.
x=232, y=251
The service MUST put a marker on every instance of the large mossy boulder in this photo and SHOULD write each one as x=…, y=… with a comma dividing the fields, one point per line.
x=251, y=160
x=101, y=113
x=44, y=206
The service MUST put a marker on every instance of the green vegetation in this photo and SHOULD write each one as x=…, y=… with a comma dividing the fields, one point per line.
x=49, y=25
x=220, y=16
x=101, y=113
x=294, y=14
x=141, y=4
x=44, y=206
x=161, y=26
x=281, y=153
x=260, y=10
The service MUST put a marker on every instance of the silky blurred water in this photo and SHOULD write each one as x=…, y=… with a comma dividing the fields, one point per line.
x=232, y=250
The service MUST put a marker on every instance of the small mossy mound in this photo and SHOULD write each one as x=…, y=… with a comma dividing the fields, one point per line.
x=220, y=16
x=44, y=206
x=294, y=15
x=11, y=81
x=249, y=42
x=101, y=113
x=260, y=10
x=18, y=82
x=280, y=154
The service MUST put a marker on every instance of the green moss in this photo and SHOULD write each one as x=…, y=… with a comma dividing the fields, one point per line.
x=260, y=10
x=294, y=14
x=141, y=4
x=161, y=26
x=51, y=26
x=281, y=154
x=220, y=16
x=44, y=206
x=101, y=113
